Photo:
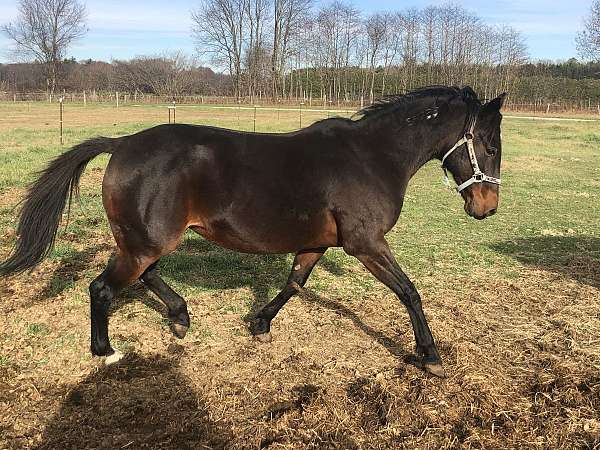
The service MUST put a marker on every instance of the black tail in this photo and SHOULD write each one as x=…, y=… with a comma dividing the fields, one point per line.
x=45, y=203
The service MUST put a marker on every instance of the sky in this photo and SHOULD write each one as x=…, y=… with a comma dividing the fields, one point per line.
x=123, y=29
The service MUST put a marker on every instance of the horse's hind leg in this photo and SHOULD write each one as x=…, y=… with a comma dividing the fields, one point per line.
x=178, y=313
x=122, y=270
x=301, y=269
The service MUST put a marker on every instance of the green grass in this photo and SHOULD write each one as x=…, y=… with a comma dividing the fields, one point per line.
x=548, y=209
x=37, y=329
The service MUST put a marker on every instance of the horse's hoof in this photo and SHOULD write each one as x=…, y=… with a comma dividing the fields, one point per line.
x=179, y=330
x=114, y=358
x=264, y=337
x=435, y=369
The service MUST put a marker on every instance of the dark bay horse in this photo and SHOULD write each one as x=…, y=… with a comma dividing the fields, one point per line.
x=336, y=183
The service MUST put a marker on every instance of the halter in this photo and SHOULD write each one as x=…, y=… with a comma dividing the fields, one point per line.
x=478, y=175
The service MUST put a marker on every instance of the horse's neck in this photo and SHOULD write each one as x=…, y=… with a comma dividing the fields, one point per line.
x=402, y=146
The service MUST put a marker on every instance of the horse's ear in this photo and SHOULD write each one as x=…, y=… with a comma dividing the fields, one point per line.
x=496, y=104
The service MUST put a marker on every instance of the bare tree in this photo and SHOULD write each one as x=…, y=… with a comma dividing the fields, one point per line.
x=288, y=18
x=588, y=40
x=376, y=29
x=336, y=29
x=44, y=30
x=409, y=24
x=257, y=14
x=219, y=28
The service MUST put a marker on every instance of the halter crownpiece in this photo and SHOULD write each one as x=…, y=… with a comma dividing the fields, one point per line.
x=478, y=176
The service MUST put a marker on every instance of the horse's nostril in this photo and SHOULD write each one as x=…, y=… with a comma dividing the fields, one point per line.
x=491, y=212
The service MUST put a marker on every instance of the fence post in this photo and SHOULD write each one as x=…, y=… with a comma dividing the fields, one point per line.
x=255, y=118
x=60, y=102
x=301, y=103
x=117, y=95
x=172, y=108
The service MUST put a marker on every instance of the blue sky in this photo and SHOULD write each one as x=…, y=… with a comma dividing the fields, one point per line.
x=127, y=28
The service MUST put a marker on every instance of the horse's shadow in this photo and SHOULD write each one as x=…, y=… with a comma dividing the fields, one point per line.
x=577, y=257
x=199, y=263
x=142, y=402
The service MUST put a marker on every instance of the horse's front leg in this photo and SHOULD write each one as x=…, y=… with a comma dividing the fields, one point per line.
x=378, y=259
x=304, y=262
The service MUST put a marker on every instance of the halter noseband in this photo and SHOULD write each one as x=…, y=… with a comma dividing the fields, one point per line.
x=478, y=176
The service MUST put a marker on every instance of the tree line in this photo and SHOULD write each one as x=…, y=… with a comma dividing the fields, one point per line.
x=174, y=76
x=291, y=49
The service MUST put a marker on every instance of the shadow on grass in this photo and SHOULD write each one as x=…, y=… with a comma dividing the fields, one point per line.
x=577, y=257
x=201, y=264
x=71, y=269
x=141, y=402
x=387, y=342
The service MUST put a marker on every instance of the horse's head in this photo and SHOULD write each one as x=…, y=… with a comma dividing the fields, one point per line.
x=475, y=160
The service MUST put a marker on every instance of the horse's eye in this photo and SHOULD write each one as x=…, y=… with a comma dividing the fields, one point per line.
x=491, y=151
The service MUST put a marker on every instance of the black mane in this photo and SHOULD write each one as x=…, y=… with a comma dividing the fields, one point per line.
x=406, y=102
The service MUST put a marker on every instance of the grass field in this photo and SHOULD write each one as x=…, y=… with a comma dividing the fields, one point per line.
x=513, y=302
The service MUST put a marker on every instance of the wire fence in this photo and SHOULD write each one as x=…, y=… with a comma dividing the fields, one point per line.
x=541, y=106
x=123, y=98
x=70, y=113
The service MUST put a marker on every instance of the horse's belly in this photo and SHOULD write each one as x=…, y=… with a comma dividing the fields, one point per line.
x=274, y=235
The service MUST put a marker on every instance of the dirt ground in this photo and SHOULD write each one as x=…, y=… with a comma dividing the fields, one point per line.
x=335, y=376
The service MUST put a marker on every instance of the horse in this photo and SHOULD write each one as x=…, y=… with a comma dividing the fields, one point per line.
x=339, y=182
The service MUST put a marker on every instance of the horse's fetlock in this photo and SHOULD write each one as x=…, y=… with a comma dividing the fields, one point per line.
x=260, y=325
x=180, y=316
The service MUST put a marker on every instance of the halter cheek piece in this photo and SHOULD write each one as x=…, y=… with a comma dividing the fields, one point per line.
x=478, y=175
